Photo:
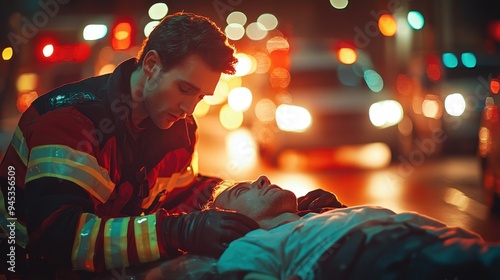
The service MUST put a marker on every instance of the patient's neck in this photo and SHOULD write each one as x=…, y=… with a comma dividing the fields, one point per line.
x=272, y=222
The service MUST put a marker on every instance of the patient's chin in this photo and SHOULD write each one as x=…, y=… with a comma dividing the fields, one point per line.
x=286, y=200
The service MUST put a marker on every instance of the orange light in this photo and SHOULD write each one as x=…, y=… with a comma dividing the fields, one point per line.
x=387, y=25
x=347, y=55
x=280, y=58
x=122, y=36
x=404, y=84
x=25, y=100
x=495, y=86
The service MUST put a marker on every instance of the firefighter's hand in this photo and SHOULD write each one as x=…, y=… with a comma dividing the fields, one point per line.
x=318, y=199
x=205, y=233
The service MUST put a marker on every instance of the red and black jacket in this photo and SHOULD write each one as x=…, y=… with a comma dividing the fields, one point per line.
x=86, y=191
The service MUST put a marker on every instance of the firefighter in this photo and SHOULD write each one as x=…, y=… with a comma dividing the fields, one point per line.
x=101, y=174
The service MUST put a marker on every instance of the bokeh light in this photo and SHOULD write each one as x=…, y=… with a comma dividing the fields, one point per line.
x=433, y=72
x=454, y=104
x=94, y=32
x=347, y=55
x=229, y=118
x=235, y=31
x=279, y=78
x=385, y=113
x=373, y=80
x=450, y=60
x=149, y=27
x=236, y=17
x=265, y=110
x=494, y=86
x=27, y=82
x=404, y=84
x=339, y=4
x=201, y=109
x=415, y=20
x=387, y=25
x=107, y=69
x=268, y=21
x=24, y=100
x=263, y=62
x=48, y=50
x=469, y=60
x=241, y=150
x=432, y=107
x=277, y=43
x=158, y=11
x=256, y=31
x=293, y=118
x=246, y=64
x=220, y=94
x=240, y=99
x=232, y=81
x=7, y=53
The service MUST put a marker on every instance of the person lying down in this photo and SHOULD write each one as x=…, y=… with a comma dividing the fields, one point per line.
x=362, y=242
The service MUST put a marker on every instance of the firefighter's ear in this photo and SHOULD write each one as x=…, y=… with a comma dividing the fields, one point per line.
x=151, y=62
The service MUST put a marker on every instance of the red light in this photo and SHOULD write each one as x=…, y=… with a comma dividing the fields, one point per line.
x=433, y=72
x=122, y=36
x=63, y=53
x=433, y=69
x=495, y=86
x=494, y=29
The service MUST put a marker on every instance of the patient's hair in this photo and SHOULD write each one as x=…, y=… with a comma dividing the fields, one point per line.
x=218, y=189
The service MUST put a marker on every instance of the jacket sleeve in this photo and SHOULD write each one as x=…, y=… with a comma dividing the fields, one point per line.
x=64, y=229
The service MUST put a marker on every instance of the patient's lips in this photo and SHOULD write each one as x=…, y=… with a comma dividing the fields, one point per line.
x=270, y=187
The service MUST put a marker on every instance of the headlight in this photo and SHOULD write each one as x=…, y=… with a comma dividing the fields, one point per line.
x=385, y=113
x=293, y=118
x=454, y=104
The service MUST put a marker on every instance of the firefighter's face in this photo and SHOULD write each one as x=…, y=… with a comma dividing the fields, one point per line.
x=172, y=95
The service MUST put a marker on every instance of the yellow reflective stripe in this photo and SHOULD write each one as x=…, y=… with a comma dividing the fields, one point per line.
x=19, y=144
x=115, y=243
x=179, y=179
x=176, y=180
x=146, y=239
x=66, y=163
x=84, y=245
x=6, y=219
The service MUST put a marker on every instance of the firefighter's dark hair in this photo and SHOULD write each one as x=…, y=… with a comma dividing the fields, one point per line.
x=182, y=34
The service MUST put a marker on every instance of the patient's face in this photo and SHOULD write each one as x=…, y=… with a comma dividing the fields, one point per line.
x=258, y=199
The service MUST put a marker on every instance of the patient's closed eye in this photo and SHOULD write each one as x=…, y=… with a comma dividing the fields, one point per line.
x=240, y=190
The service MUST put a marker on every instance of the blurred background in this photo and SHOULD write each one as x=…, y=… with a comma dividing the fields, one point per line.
x=379, y=101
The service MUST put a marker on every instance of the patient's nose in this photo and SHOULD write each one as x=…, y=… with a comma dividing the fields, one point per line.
x=262, y=181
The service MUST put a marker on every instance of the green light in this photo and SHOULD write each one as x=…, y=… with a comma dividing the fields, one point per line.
x=469, y=60
x=416, y=20
x=450, y=60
